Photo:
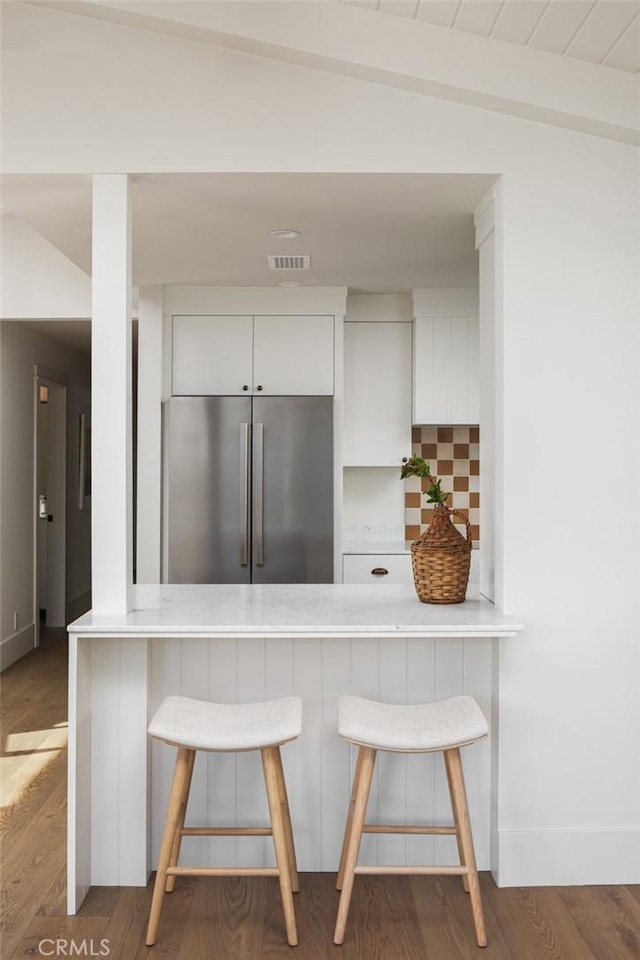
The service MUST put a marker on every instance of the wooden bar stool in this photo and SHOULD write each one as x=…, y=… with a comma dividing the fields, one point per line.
x=443, y=726
x=192, y=725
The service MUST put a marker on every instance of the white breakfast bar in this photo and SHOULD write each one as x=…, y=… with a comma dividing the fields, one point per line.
x=248, y=643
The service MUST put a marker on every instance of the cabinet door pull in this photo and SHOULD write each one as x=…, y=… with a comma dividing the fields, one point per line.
x=379, y=572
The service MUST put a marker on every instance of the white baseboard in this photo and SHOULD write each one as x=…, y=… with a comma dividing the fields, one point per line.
x=536, y=858
x=16, y=646
x=78, y=605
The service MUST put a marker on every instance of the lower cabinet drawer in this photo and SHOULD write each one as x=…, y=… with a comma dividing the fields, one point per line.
x=377, y=568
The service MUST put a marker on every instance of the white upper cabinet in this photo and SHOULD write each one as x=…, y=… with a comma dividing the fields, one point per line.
x=270, y=355
x=212, y=355
x=293, y=356
x=377, y=393
x=445, y=357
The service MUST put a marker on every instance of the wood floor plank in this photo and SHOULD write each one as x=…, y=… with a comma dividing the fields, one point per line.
x=89, y=929
x=33, y=801
x=129, y=923
x=101, y=902
x=536, y=926
x=29, y=869
x=634, y=891
x=54, y=901
x=383, y=922
x=444, y=912
x=608, y=918
x=226, y=918
x=315, y=905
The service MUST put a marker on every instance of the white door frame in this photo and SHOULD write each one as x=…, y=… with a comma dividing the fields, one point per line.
x=56, y=498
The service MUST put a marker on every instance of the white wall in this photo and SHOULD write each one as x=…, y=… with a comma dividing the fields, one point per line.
x=37, y=279
x=20, y=349
x=569, y=778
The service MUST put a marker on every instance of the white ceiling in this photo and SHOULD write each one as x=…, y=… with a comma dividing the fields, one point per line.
x=604, y=32
x=375, y=233
x=73, y=333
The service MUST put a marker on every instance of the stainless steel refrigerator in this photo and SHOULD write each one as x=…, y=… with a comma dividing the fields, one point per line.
x=249, y=489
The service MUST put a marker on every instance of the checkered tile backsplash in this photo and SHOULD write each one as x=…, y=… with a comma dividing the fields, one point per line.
x=454, y=455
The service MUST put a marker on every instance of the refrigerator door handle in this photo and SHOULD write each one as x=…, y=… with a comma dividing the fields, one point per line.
x=258, y=493
x=244, y=494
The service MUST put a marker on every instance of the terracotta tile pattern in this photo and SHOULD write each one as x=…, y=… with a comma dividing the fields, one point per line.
x=453, y=453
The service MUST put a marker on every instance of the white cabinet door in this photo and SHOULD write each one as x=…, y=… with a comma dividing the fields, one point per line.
x=445, y=370
x=377, y=394
x=377, y=568
x=293, y=356
x=212, y=355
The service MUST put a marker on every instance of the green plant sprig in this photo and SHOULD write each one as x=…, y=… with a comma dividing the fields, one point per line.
x=418, y=467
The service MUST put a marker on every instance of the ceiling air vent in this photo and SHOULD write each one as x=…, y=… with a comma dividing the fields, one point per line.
x=300, y=261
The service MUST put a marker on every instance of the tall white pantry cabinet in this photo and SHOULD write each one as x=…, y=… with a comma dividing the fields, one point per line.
x=377, y=393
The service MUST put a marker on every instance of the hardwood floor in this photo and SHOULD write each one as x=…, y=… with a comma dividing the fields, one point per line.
x=392, y=918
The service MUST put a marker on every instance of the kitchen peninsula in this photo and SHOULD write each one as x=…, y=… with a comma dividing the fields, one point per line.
x=242, y=643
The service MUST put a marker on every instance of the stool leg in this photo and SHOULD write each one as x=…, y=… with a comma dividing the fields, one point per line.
x=177, y=840
x=362, y=786
x=347, y=829
x=465, y=877
x=270, y=765
x=180, y=775
x=465, y=838
x=286, y=816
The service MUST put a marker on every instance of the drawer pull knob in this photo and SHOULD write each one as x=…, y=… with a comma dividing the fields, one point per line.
x=379, y=572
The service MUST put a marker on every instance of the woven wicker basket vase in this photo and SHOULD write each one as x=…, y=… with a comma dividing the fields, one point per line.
x=440, y=558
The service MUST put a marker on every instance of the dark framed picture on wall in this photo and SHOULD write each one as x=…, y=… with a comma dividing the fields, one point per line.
x=84, y=463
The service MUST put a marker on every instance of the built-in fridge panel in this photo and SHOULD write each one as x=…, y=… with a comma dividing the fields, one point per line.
x=206, y=507
x=292, y=490
x=249, y=489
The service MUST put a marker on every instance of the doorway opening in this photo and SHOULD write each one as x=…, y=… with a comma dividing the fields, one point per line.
x=50, y=458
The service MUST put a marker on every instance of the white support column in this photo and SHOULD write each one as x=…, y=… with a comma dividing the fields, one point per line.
x=111, y=458
x=490, y=396
x=150, y=339
x=488, y=228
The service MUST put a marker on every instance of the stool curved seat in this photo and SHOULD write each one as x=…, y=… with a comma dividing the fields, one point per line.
x=409, y=728
x=202, y=725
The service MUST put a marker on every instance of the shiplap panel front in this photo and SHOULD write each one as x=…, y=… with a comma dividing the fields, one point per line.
x=449, y=666
x=364, y=679
x=105, y=661
x=229, y=789
x=421, y=687
x=477, y=762
x=335, y=757
x=119, y=761
x=392, y=767
x=251, y=802
x=221, y=767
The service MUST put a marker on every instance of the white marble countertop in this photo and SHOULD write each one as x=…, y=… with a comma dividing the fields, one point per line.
x=376, y=546
x=295, y=610
x=382, y=546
